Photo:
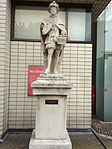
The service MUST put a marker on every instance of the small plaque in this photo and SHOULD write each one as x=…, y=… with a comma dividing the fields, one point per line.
x=52, y=102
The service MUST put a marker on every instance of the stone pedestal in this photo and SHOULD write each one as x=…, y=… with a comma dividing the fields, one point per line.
x=50, y=130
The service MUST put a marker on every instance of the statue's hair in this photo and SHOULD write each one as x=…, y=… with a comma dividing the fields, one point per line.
x=53, y=4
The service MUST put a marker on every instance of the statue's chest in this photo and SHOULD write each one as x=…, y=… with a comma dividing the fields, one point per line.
x=53, y=21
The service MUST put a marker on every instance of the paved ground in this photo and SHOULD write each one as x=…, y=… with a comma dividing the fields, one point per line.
x=89, y=141
x=79, y=141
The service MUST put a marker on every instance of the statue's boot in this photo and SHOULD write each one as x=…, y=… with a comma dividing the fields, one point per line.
x=49, y=59
x=47, y=71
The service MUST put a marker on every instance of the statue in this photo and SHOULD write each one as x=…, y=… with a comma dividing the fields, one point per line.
x=53, y=40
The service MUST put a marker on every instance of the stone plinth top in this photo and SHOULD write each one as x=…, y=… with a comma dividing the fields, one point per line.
x=51, y=84
x=51, y=80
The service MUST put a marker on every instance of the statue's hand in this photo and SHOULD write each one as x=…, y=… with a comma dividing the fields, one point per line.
x=63, y=33
x=42, y=26
x=55, y=39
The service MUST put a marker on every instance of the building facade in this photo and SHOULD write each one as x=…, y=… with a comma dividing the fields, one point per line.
x=20, y=47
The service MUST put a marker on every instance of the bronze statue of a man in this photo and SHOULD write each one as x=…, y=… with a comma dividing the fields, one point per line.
x=53, y=37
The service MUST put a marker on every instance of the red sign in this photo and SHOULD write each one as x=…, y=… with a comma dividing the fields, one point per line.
x=33, y=73
x=93, y=95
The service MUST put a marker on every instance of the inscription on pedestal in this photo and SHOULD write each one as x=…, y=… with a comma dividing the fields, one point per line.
x=52, y=102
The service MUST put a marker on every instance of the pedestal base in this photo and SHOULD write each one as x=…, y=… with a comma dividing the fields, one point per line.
x=50, y=144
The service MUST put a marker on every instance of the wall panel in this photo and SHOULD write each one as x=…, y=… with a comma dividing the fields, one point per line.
x=76, y=68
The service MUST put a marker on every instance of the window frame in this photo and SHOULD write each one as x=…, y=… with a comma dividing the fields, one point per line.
x=65, y=6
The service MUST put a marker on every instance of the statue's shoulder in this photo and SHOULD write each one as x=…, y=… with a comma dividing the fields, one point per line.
x=59, y=21
x=46, y=20
x=50, y=19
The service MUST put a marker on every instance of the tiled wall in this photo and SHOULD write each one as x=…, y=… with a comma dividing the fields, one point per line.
x=76, y=67
x=4, y=62
x=17, y=109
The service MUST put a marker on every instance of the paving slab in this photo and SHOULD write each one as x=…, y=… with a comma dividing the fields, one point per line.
x=85, y=141
x=16, y=141
x=79, y=141
x=107, y=142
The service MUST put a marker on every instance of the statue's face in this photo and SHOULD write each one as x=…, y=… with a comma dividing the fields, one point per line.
x=53, y=10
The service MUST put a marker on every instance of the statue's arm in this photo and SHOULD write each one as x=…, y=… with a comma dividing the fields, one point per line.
x=42, y=25
x=63, y=32
x=45, y=28
x=61, y=26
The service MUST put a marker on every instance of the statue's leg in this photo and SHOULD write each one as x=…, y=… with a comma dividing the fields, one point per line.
x=57, y=53
x=60, y=58
x=49, y=59
x=45, y=58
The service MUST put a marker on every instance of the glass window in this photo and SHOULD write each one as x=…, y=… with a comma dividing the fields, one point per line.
x=27, y=22
x=28, y=19
x=88, y=27
x=100, y=35
x=79, y=25
x=108, y=28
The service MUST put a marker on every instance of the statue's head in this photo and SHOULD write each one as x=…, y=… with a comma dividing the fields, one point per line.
x=53, y=8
